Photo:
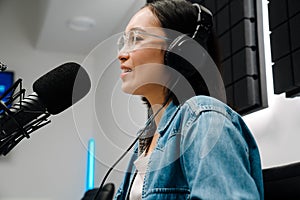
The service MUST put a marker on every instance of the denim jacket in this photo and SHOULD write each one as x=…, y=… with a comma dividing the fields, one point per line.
x=205, y=151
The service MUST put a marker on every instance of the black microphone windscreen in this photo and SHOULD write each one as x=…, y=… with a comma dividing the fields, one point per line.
x=62, y=87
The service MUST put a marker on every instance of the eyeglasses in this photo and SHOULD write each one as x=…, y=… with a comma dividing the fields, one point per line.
x=136, y=39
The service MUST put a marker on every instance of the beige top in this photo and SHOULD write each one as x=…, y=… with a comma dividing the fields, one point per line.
x=137, y=186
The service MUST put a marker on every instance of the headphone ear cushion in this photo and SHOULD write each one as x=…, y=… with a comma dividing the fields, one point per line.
x=174, y=56
x=178, y=56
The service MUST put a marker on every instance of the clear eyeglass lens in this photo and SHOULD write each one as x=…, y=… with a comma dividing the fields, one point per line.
x=132, y=40
x=121, y=43
x=126, y=41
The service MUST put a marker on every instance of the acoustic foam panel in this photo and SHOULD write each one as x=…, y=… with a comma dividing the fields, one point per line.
x=284, y=20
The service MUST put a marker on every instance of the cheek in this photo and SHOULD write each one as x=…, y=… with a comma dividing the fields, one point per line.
x=152, y=73
x=150, y=68
x=146, y=77
x=147, y=56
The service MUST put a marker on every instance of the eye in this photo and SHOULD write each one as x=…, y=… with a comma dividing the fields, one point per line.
x=139, y=38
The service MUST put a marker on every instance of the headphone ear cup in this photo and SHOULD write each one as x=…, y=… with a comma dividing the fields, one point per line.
x=174, y=56
x=178, y=56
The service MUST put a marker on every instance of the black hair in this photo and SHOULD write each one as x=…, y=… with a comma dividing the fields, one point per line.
x=181, y=16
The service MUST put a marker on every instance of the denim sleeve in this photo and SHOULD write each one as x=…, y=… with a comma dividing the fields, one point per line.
x=215, y=159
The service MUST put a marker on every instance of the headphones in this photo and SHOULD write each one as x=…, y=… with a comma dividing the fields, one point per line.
x=181, y=44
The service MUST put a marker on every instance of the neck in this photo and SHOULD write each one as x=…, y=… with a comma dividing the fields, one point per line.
x=156, y=104
x=158, y=110
x=160, y=113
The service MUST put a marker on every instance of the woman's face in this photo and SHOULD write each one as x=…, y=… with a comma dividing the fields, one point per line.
x=143, y=72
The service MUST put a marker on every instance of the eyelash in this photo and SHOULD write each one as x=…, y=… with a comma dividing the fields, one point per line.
x=139, y=38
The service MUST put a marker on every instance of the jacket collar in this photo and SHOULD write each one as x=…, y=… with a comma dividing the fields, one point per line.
x=167, y=117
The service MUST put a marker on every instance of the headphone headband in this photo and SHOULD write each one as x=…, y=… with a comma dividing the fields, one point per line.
x=182, y=50
x=204, y=22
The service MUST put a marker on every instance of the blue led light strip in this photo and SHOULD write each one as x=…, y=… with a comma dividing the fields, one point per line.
x=90, y=165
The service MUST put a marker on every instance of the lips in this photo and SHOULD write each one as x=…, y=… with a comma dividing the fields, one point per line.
x=125, y=70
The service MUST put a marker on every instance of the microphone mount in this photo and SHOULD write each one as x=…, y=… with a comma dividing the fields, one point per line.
x=3, y=67
x=8, y=140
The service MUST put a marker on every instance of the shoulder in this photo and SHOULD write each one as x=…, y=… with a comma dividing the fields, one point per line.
x=199, y=104
x=209, y=112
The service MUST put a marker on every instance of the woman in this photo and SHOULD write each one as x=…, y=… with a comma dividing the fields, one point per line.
x=194, y=146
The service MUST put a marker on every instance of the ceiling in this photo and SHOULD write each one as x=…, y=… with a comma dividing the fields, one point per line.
x=50, y=19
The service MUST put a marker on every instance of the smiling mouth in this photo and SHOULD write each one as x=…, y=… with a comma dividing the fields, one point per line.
x=127, y=70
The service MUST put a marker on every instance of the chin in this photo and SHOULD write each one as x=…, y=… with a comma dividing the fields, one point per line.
x=126, y=89
x=131, y=90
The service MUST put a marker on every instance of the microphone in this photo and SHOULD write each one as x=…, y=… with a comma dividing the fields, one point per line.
x=53, y=93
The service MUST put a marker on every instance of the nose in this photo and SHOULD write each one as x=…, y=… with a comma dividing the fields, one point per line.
x=123, y=56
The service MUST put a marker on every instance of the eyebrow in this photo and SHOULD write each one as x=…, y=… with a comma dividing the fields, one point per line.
x=144, y=31
x=137, y=29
